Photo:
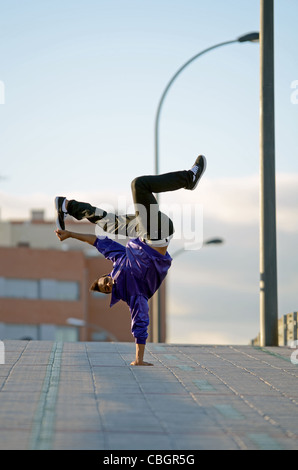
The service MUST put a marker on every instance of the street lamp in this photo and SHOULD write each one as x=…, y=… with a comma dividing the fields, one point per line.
x=250, y=37
x=82, y=323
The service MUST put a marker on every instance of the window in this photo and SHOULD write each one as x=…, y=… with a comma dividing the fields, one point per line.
x=45, y=289
x=45, y=332
x=18, y=288
x=58, y=290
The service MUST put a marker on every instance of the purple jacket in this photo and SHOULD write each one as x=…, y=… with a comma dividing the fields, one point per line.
x=138, y=271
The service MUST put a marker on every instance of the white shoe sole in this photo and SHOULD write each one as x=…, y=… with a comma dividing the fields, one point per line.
x=57, y=209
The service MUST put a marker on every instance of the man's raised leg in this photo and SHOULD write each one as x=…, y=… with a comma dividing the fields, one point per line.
x=158, y=225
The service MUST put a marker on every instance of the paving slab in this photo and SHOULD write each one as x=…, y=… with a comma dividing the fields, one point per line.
x=72, y=396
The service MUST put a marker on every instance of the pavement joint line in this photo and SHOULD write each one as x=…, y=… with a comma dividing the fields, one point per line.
x=278, y=356
x=155, y=413
x=13, y=366
x=237, y=440
x=270, y=385
x=97, y=399
x=44, y=418
x=271, y=353
x=265, y=416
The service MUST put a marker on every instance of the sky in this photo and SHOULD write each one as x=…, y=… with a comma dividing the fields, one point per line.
x=80, y=83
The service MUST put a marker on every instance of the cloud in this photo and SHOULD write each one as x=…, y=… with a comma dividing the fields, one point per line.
x=236, y=201
x=287, y=203
x=188, y=332
x=19, y=207
x=232, y=201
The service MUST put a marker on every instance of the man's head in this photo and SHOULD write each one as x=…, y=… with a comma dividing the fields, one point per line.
x=103, y=284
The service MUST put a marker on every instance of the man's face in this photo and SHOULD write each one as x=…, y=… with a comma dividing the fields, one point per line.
x=105, y=284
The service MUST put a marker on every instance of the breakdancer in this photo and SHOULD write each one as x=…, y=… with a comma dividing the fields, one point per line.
x=139, y=267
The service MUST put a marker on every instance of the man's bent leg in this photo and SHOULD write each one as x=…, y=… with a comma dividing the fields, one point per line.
x=153, y=223
x=84, y=210
x=120, y=225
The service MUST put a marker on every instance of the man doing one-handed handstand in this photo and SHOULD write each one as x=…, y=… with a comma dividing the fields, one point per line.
x=139, y=267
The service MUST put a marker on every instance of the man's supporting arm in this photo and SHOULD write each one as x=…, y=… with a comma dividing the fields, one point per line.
x=83, y=237
x=139, y=361
x=140, y=320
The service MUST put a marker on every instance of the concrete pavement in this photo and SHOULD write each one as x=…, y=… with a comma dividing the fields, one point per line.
x=87, y=396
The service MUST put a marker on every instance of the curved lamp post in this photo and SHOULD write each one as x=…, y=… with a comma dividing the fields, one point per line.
x=81, y=323
x=250, y=37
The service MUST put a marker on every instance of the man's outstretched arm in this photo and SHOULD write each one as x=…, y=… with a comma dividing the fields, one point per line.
x=83, y=237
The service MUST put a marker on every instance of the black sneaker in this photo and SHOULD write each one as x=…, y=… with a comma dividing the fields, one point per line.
x=198, y=169
x=61, y=216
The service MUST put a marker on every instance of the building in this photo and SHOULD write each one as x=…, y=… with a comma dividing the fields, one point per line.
x=287, y=330
x=44, y=286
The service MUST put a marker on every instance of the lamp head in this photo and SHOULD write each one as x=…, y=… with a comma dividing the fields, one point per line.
x=250, y=37
x=214, y=241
